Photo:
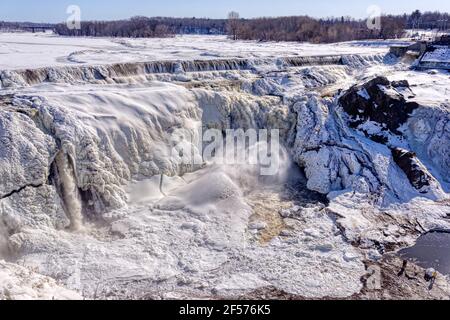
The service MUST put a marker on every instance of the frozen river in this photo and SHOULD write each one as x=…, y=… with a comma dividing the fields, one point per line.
x=27, y=50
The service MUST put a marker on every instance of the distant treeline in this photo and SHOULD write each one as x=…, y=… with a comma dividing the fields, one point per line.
x=137, y=27
x=304, y=28
x=296, y=28
x=428, y=20
x=142, y=27
x=24, y=26
x=195, y=25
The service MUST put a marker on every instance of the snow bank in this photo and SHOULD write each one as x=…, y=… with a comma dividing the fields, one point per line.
x=19, y=283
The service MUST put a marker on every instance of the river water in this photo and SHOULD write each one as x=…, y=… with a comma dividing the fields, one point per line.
x=432, y=250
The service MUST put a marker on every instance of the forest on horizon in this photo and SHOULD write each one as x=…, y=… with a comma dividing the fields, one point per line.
x=294, y=28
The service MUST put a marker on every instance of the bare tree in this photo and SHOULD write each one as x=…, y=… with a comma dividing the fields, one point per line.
x=415, y=19
x=233, y=24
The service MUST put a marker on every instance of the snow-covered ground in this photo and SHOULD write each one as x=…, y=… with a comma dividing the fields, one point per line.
x=423, y=34
x=21, y=283
x=95, y=202
x=27, y=50
x=441, y=54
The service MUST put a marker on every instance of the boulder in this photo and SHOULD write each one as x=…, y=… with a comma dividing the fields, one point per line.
x=379, y=101
x=416, y=172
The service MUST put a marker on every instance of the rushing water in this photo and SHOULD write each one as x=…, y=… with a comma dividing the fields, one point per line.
x=432, y=250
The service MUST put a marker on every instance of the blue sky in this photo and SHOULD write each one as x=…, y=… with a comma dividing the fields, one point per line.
x=55, y=10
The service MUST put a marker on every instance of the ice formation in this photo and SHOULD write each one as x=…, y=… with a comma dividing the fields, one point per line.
x=69, y=191
x=20, y=283
x=97, y=194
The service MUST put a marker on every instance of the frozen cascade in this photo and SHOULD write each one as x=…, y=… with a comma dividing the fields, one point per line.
x=3, y=241
x=69, y=190
x=311, y=128
x=115, y=72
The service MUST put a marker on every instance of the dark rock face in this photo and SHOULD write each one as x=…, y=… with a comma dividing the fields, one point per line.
x=400, y=84
x=416, y=172
x=379, y=101
x=379, y=108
